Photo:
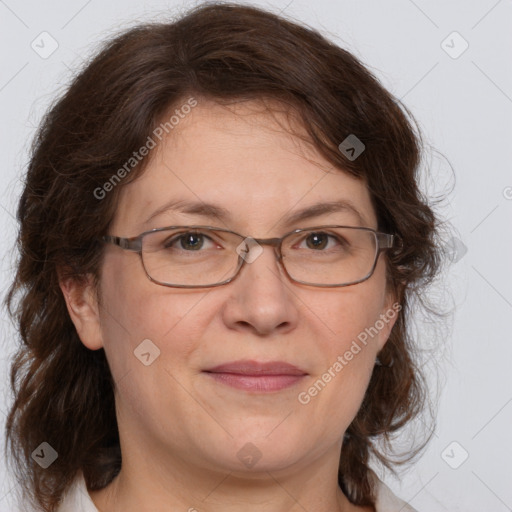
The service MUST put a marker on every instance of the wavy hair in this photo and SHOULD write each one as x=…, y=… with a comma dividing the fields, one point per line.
x=63, y=392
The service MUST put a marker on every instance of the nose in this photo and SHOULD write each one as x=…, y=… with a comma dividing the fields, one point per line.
x=261, y=300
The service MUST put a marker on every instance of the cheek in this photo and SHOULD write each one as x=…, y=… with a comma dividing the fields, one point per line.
x=347, y=319
x=337, y=388
x=351, y=347
x=172, y=320
x=347, y=338
x=135, y=309
x=356, y=314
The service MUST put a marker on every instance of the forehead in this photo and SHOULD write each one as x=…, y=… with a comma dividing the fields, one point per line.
x=243, y=159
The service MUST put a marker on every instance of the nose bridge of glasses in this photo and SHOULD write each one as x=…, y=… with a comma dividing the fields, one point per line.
x=273, y=242
x=253, y=245
x=251, y=249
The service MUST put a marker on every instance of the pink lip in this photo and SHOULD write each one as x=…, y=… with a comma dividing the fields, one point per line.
x=255, y=376
x=247, y=367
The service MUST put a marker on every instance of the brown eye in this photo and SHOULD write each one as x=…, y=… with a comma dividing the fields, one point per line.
x=320, y=240
x=187, y=241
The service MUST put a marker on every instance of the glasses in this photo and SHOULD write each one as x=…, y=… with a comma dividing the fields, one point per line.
x=205, y=256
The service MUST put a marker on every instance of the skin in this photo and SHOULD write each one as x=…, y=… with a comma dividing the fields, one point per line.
x=180, y=430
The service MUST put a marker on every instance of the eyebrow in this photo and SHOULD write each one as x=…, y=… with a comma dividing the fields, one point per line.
x=214, y=211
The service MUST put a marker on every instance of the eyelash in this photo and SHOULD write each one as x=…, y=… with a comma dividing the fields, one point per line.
x=176, y=238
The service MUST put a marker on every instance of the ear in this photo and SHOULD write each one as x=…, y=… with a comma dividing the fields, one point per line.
x=83, y=308
x=388, y=317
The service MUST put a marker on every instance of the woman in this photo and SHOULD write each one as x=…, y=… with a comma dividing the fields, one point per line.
x=220, y=234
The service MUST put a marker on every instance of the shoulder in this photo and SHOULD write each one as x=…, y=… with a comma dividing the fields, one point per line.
x=77, y=498
x=385, y=500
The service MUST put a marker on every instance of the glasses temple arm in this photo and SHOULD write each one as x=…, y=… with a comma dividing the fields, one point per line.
x=130, y=244
x=385, y=241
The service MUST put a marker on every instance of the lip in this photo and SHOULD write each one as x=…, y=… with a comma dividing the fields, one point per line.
x=257, y=376
x=248, y=367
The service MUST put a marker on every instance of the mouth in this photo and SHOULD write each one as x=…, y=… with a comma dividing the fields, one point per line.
x=257, y=376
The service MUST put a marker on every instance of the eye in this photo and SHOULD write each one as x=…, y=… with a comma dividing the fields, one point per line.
x=322, y=240
x=190, y=241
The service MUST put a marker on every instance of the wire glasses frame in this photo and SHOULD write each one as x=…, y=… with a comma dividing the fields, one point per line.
x=383, y=241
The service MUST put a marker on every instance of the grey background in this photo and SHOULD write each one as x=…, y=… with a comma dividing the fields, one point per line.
x=464, y=107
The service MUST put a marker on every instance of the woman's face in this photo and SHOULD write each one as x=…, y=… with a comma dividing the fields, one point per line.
x=171, y=408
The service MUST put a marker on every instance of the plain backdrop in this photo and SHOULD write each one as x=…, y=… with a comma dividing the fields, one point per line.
x=450, y=63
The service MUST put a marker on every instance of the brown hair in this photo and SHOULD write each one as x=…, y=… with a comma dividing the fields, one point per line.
x=63, y=392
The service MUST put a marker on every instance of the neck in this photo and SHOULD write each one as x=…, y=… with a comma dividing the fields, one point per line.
x=145, y=486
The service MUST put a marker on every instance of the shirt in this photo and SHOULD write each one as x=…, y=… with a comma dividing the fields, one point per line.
x=77, y=499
